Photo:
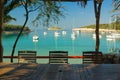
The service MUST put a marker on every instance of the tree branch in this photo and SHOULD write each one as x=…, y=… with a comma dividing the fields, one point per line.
x=34, y=9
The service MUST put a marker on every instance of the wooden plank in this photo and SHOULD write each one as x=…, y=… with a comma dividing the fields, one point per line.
x=59, y=71
x=51, y=72
x=26, y=56
x=92, y=57
x=58, y=57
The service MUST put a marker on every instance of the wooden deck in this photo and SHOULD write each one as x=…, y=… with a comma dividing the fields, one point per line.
x=15, y=71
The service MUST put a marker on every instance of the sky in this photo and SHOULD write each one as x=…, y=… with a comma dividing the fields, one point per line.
x=75, y=15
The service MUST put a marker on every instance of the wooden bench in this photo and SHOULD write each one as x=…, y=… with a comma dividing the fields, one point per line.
x=92, y=57
x=58, y=57
x=27, y=56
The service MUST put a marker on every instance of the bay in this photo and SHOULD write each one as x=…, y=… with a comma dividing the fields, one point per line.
x=83, y=41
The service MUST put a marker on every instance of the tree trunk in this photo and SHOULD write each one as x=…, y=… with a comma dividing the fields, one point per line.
x=97, y=9
x=14, y=46
x=1, y=25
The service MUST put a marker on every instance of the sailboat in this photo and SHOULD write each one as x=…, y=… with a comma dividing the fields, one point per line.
x=45, y=33
x=56, y=34
x=73, y=35
x=94, y=36
x=35, y=37
x=63, y=32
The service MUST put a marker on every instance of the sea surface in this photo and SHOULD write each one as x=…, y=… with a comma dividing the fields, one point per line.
x=83, y=41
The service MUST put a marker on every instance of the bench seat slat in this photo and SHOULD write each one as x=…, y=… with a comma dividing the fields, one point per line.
x=58, y=57
x=27, y=56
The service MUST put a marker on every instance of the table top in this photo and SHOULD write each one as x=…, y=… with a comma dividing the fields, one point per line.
x=15, y=71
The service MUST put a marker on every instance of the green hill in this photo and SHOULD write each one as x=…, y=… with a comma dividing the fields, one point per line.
x=55, y=28
x=12, y=28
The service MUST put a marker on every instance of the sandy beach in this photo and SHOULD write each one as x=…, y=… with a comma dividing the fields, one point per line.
x=90, y=29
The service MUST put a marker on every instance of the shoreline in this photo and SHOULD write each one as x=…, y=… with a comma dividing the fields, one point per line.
x=14, y=32
x=90, y=29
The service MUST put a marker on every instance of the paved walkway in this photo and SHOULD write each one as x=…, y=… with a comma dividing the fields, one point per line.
x=9, y=71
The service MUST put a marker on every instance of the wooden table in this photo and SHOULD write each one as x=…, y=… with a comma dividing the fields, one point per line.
x=15, y=71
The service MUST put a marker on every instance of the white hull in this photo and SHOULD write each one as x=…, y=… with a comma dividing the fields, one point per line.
x=56, y=34
x=35, y=37
x=64, y=32
x=94, y=36
x=45, y=33
x=73, y=35
x=113, y=36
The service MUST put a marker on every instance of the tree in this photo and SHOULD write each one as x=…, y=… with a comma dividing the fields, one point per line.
x=97, y=9
x=116, y=5
x=1, y=25
x=8, y=7
x=25, y=5
x=5, y=8
x=50, y=8
x=47, y=10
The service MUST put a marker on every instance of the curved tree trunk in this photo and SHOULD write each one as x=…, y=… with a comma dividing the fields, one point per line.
x=97, y=9
x=14, y=46
x=1, y=25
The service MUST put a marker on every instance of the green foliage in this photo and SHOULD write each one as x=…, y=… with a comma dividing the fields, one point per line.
x=9, y=5
x=55, y=28
x=116, y=5
x=10, y=27
x=49, y=11
x=106, y=26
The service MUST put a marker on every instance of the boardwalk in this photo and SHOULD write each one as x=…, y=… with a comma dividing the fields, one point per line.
x=16, y=71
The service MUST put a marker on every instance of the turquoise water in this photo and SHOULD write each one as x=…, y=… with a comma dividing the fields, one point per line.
x=84, y=41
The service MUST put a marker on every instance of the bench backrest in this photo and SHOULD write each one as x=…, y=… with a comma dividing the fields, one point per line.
x=27, y=56
x=58, y=57
x=92, y=57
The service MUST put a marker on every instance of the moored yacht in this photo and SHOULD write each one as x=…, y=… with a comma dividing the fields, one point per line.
x=45, y=33
x=94, y=36
x=35, y=37
x=73, y=35
x=113, y=35
x=56, y=34
x=64, y=33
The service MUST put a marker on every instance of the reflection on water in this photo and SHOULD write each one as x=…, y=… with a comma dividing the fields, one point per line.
x=14, y=35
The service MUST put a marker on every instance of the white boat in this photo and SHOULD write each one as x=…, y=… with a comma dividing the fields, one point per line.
x=35, y=40
x=116, y=35
x=45, y=33
x=94, y=36
x=110, y=36
x=113, y=35
x=35, y=37
x=64, y=33
x=78, y=32
x=56, y=34
x=109, y=39
x=73, y=35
